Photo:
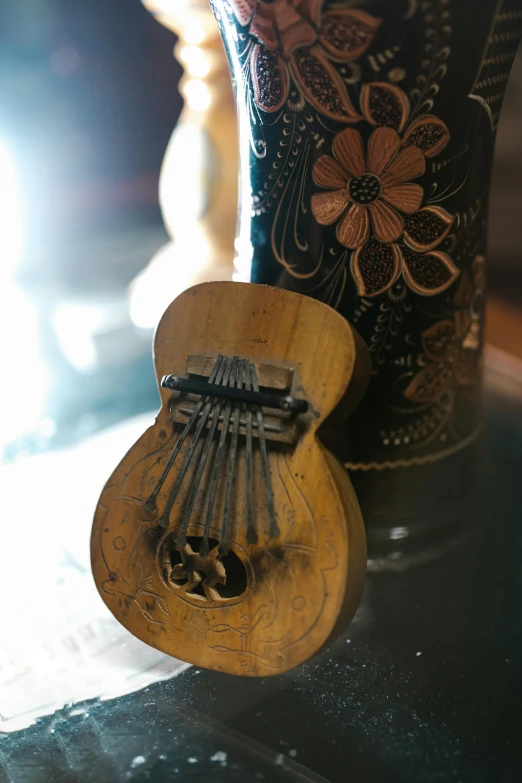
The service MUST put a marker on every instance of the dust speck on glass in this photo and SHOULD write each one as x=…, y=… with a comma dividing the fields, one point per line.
x=371, y=128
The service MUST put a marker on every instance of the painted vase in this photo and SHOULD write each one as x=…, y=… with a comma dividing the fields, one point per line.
x=367, y=132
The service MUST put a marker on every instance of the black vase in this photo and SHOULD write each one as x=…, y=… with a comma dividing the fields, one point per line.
x=367, y=133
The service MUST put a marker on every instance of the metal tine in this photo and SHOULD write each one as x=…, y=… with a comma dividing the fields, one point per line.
x=242, y=422
x=274, y=528
x=182, y=538
x=223, y=545
x=218, y=461
x=150, y=503
x=164, y=521
x=251, y=530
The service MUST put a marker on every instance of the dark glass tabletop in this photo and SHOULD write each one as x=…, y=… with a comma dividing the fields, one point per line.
x=425, y=685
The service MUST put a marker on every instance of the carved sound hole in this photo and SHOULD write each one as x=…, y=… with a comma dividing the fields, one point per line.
x=204, y=576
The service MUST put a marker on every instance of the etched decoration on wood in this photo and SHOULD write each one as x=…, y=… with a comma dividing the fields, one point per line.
x=229, y=536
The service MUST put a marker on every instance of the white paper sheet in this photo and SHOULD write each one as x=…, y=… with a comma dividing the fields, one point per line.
x=59, y=644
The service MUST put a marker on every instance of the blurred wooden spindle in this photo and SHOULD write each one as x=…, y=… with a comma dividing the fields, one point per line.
x=198, y=181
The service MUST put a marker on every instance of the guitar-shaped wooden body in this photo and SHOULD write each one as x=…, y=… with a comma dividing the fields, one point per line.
x=229, y=536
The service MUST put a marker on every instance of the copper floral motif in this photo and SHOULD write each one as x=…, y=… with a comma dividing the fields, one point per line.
x=368, y=188
x=372, y=196
x=296, y=40
x=453, y=347
x=362, y=200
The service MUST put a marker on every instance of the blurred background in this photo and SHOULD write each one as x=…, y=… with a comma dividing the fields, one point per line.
x=88, y=101
x=89, y=98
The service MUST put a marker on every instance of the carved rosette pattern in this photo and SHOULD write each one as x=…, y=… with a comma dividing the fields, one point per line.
x=369, y=159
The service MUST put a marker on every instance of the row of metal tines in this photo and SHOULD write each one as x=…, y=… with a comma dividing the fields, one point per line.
x=206, y=416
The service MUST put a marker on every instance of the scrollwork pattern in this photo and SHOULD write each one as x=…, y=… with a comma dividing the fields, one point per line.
x=367, y=195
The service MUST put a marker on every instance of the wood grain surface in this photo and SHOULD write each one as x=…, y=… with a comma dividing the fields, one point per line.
x=287, y=595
